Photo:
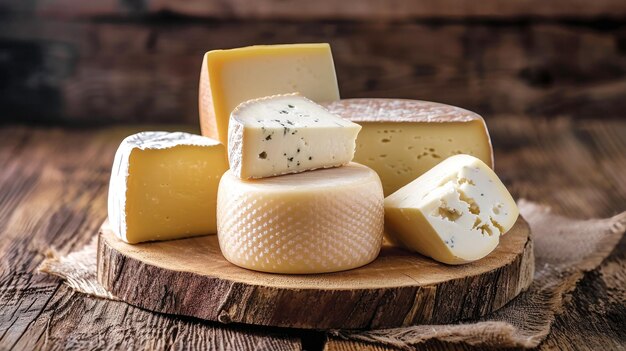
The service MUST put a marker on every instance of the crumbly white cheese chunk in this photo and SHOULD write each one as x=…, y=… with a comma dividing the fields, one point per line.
x=454, y=213
x=283, y=134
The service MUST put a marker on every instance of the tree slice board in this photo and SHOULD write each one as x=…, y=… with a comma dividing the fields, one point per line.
x=191, y=277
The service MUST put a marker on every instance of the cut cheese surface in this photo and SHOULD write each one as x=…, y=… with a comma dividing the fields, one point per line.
x=320, y=221
x=164, y=186
x=402, y=139
x=230, y=77
x=283, y=134
x=454, y=213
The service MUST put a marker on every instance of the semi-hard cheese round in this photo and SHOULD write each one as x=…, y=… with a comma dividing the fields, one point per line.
x=402, y=139
x=321, y=221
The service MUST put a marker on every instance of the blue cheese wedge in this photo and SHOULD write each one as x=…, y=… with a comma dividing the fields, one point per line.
x=284, y=134
x=454, y=213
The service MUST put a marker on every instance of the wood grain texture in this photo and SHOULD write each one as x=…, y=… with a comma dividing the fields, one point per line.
x=53, y=192
x=597, y=305
x=73, y=322
x=330, y=9
x=85, y=72
x=191, y=277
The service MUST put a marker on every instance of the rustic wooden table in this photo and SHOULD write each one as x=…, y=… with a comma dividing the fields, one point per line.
x=53, y=185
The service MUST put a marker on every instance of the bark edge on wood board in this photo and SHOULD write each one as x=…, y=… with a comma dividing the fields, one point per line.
x=190, y=277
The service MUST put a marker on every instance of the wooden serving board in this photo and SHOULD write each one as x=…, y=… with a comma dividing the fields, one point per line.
x=191, y=277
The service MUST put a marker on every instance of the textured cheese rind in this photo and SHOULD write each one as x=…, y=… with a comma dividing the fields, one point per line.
x=294, y=134
x=208, y=125
x=454, y=213
x=399, y=110
x=141, y=141
x=312, y=222
x=232, y=76
x=401, y=139
x=235, y=145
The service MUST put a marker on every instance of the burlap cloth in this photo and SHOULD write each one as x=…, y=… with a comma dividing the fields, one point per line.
x=564, y=250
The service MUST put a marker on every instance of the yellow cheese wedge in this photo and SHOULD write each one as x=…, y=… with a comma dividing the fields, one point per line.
x=402, y=139
x=454, y=213
x=230, y=77
x=319, y=221
x=164, y=186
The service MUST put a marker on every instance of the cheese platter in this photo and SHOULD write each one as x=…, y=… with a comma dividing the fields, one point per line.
x=296, y=208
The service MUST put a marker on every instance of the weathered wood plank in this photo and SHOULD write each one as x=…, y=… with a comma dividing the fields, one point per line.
x=86, y=72
x=73, y=321
x=46, y=201
x=22, y=300
x=329, y=9
x=433, y=345
x=556, y=166
x=56, y=183
x=595, y=314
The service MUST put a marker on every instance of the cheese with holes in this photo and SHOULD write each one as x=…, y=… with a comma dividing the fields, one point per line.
x=283, y=134
x=454, y=213
x=402, y=139
x=164, y=186
x=320, y=221
x=230, y=77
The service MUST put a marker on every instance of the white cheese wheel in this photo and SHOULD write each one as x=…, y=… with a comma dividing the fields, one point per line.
x=321, y=221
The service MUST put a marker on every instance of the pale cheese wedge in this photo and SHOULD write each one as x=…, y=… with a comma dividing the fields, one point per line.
x=454, y=213
x=284, y=134
x=230, y=77
x=164, y=186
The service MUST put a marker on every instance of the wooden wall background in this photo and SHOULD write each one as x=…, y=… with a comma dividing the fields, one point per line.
x=137, y=61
